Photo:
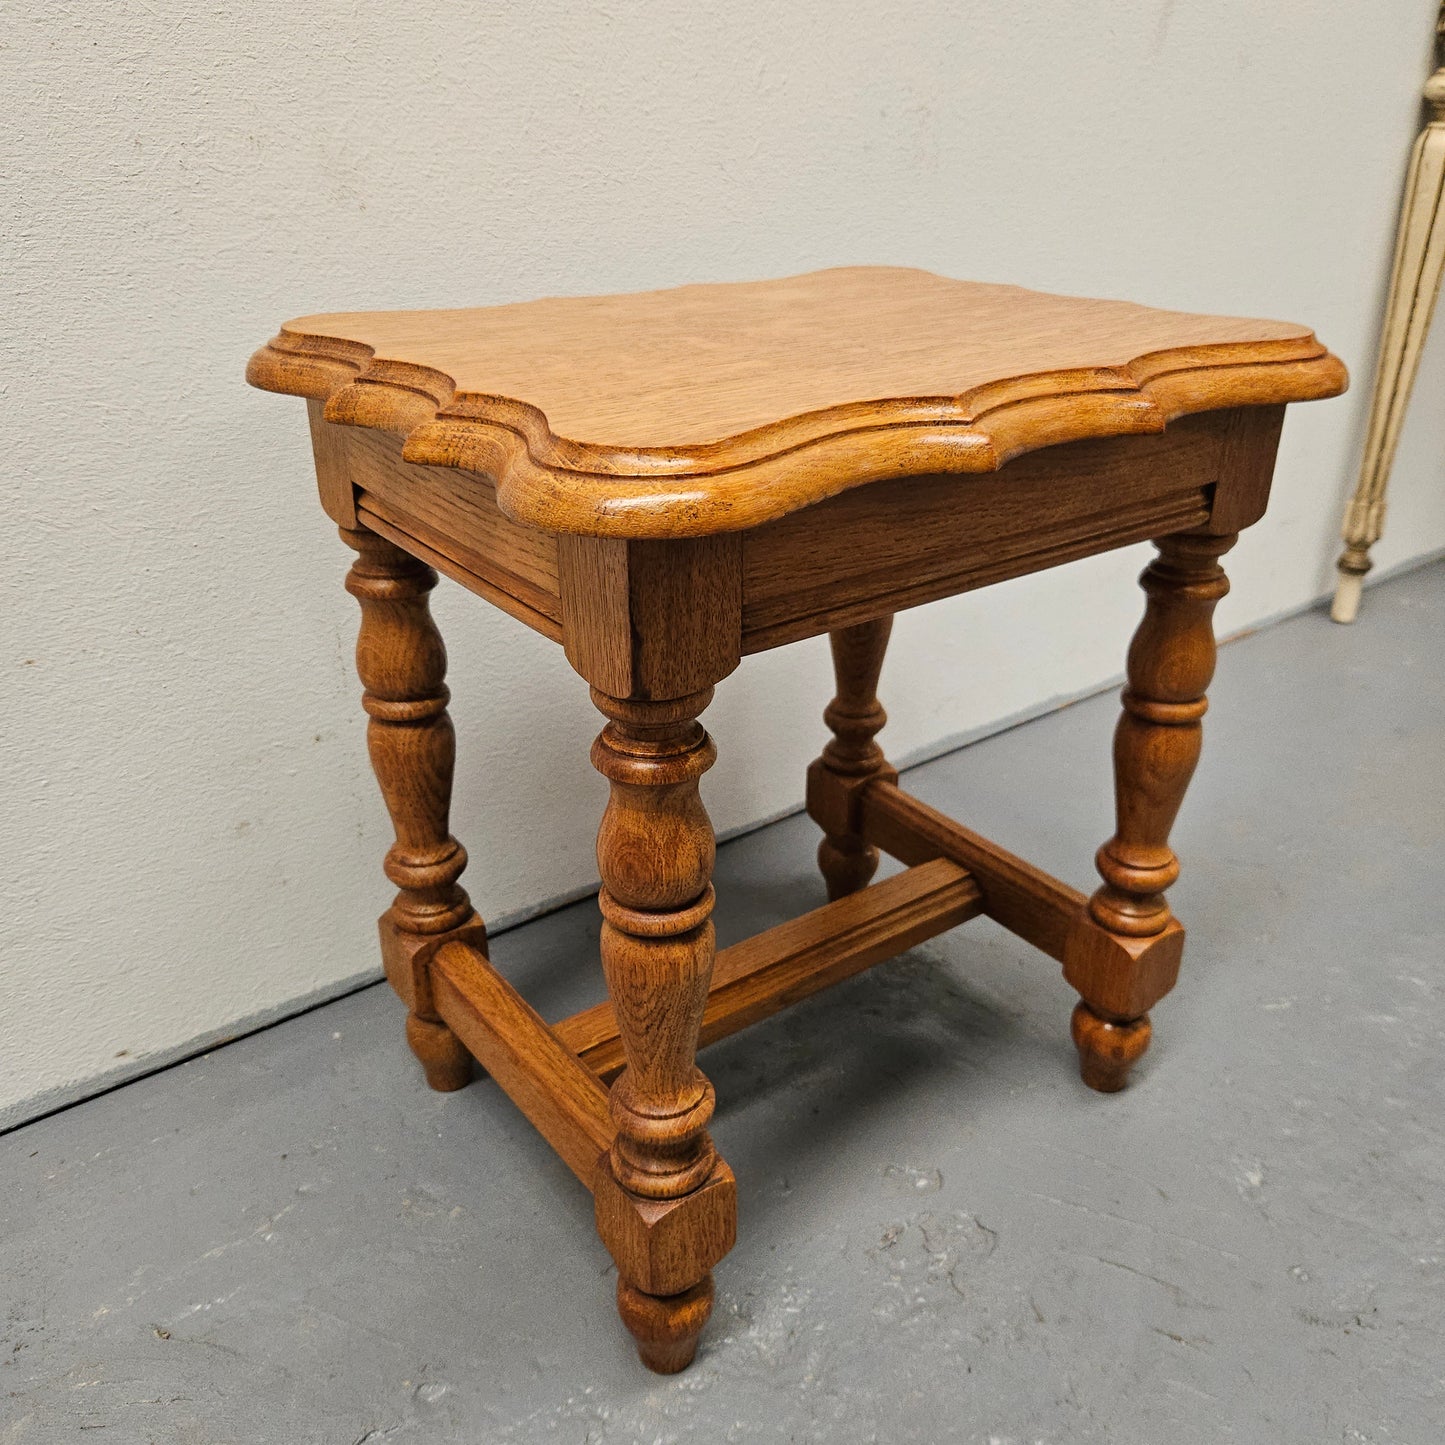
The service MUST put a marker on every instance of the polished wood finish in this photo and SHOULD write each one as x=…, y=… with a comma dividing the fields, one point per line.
x=401, y=661
x=1025, y=899
x=666, y=1330
x=651, y=619
x=901, y=543
x=563, y=1099
x=1249, y=440
x=1156, y=745
x=665, y=483
x=378, y=520
x=1132, y=958
x=1108, y=1048
x=1415, y=277
x=773, y=970
x=666, y=1207
x=331, y=450
x=852, y=757
x=722, y=407
x=513, y=567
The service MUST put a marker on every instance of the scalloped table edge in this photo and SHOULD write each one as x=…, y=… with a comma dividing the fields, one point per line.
x=542, y=480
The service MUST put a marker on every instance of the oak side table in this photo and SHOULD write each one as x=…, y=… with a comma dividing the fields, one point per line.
x=666, y=482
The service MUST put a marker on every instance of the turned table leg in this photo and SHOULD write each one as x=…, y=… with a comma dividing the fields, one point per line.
x=666, y=1203
x=846, y=858
x=402, y=662
x=1124, y=956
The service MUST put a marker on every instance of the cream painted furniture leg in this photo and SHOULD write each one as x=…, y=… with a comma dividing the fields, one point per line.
x=1414, y=285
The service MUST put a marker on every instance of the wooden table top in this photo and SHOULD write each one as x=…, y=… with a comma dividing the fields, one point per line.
x=717, y=407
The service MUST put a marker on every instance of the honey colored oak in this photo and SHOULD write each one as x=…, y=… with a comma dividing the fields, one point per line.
x=755, y=979
x=562, y=1098
x=402, y=661
x=714, y=408
x=665, y=483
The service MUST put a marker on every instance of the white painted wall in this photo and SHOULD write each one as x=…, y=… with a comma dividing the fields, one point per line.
x=191, y=838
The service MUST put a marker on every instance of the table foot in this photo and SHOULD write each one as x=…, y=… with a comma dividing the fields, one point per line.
x=666, y=1327
x=1353, y=565
x=1107, y=1049
x=444, y=1058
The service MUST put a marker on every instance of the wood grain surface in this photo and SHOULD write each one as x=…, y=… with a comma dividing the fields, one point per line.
x=664, y=482
x=771, y=971
x=713, y=408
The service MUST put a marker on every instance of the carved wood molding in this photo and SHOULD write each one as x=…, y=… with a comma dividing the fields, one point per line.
x=878, y=372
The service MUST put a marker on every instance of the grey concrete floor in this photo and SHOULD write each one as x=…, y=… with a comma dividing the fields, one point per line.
x=944, y=1235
